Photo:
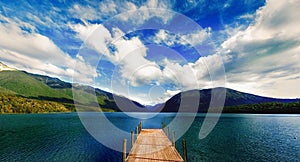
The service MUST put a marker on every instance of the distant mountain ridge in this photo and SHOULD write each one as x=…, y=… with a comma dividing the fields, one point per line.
x=45, y=88
x=233, y=98
x=50, y=81
x=4, y=67
x=41, y=87
x=105, y=99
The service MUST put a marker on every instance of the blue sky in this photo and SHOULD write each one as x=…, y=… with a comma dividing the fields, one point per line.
x=150, y=50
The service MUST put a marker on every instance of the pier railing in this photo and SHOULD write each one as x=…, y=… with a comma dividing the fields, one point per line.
x=147, y=141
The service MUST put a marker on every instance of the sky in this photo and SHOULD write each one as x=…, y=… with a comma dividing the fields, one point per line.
x=149, y=50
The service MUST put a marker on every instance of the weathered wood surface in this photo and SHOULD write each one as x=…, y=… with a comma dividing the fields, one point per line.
x=152, y=145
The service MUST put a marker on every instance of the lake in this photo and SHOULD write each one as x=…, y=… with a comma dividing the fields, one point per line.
x=63, y=137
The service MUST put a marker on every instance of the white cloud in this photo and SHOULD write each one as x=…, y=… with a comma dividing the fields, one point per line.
x=150, y=9
x=275, y=20
x=36, y=53
x=209, y=71
x=262, y=58
x=126, y=11
x=170, y=93
x=162, y=36
x=183, y=75
x=193, y=38
x=83, y=30
x=197, y=37
x=31, y=44
x=95, y=36
x=35, y=18
x=247, y=16
x=133, y=66
x=83, y=12
x=129, y=54
x=108, y=7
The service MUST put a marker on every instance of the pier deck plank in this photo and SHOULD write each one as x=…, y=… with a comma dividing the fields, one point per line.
x=152, y=145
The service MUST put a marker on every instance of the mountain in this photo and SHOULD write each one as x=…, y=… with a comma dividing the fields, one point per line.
x=4, y=67
x=24, y=85
x=235, y=101
x=21, y=86
x=50, y=81
x=86, y=95
x=20, y=89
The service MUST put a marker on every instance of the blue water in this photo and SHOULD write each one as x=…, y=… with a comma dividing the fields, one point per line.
x=62, y=137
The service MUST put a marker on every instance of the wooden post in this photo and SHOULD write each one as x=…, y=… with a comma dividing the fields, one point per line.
x=173, y=138
x=141, y=126
x=132, y=138
x=163, y=127
x=124, y=150
x=167, y=132
x=184, y=150
x=137, y=131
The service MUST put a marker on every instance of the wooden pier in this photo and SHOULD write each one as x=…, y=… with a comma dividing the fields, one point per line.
x=152, y=145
